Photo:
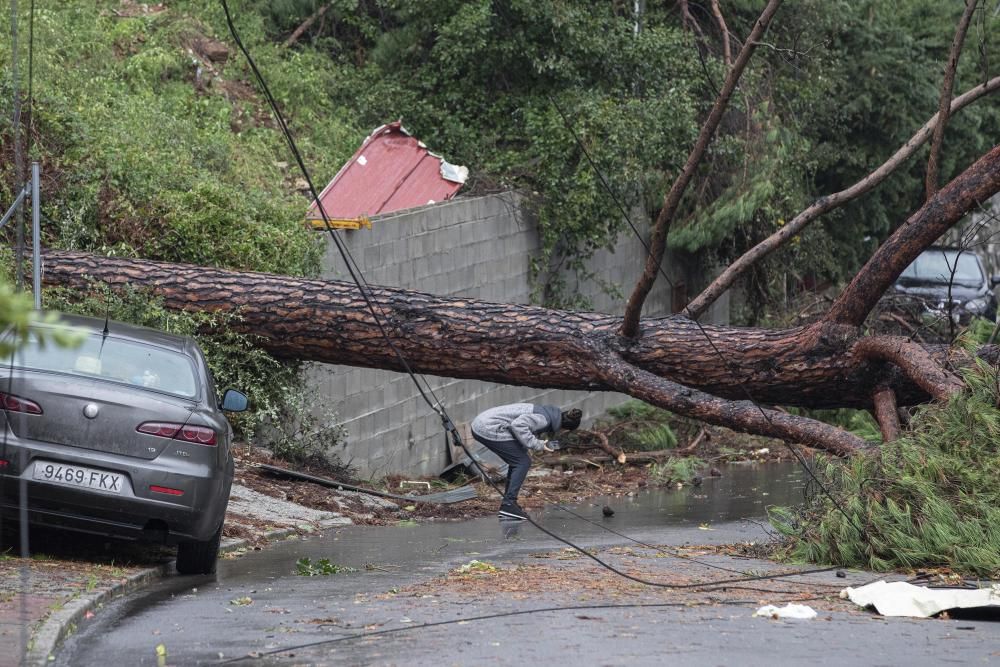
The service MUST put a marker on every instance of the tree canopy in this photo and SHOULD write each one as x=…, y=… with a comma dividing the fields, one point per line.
x=151, y=148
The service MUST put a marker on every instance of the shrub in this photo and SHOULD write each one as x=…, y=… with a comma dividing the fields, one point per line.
x=676, y=470
x=650, y=428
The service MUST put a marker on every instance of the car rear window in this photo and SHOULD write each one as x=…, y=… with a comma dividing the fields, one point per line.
x=110, y=358
x=936, y=266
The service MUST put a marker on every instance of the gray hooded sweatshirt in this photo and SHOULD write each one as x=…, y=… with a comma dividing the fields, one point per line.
x=519, y=421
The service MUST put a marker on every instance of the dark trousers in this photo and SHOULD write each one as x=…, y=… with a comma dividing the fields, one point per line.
x=515, y=455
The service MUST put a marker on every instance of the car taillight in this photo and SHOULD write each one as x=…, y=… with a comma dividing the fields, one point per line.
x=198, y=435
x=17, y=404
x=165, y=489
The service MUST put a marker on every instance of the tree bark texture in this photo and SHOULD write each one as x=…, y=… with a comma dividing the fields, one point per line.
x=886, y=413
x=944, y=105
x=330, y=322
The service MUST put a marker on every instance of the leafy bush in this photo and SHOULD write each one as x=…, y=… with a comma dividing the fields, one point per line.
x=649, y=427
x=302, y=430
x=150, y=149
x=928, y=499
x=676, y=470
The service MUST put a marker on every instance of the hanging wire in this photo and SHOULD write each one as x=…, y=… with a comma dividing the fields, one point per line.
x=504, y=614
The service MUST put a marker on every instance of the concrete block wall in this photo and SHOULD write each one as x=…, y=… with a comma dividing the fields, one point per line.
x=477, y=248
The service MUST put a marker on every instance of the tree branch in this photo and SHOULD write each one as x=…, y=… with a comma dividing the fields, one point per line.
x=885, y=413
x=727, y=53
x=329, y=322
x=602, y=443
x=914, y=361
x=688, y=21
x=744, y=416
x=944, y=105
x=697, y=307
x=633, y=309
x=949, y=205
x=305, y=25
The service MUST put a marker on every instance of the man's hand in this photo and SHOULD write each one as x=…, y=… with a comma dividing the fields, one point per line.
x=551, y=445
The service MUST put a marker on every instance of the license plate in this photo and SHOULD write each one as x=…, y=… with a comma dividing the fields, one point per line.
x=88, y=478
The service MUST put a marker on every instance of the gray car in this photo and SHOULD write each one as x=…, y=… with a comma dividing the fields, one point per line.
x=947, y=282
x=121, y=436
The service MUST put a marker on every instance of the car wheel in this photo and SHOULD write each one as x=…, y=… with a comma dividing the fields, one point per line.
x=199, y=557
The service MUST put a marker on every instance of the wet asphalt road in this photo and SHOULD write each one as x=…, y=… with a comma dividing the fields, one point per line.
x=257, y=611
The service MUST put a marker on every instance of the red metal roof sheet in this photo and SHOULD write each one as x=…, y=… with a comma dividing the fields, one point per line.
x=390, y=172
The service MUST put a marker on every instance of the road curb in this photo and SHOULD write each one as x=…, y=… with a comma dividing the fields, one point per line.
x=62, y=623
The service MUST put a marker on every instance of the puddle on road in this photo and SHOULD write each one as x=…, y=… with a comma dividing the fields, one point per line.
x=743, y=492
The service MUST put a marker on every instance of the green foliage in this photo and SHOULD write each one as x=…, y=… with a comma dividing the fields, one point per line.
x=979, y=332
x=649, y=427
x=149, y=149
x=676, y=470
x=655, y=438
x=928, y=499
x=17, y=316
x=301, y=429
x=304, y=567
x=17, y=319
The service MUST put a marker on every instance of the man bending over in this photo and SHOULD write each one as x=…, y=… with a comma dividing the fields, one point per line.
x=510, y=431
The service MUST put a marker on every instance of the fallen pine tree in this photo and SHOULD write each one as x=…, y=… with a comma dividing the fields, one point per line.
x=728, y=376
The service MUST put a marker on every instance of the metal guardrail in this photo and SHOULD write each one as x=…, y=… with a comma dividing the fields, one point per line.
x=31, y=191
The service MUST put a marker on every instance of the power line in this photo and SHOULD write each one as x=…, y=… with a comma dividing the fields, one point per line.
x=487, y=617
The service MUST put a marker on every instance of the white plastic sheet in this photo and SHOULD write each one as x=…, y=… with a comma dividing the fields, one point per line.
x=790, y=610
x=902, y=599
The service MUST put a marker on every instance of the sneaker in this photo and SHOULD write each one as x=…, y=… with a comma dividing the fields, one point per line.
x=512, y=511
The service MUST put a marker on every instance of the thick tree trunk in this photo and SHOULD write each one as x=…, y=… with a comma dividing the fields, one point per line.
x=709, y=373
x=329, y=321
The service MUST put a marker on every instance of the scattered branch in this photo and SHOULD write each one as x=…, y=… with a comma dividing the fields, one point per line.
x=602, y=442
x=634, y=458
x=690, y=447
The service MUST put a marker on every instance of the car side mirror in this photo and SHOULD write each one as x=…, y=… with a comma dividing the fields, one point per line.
x=234, y=401
x=995, y=280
